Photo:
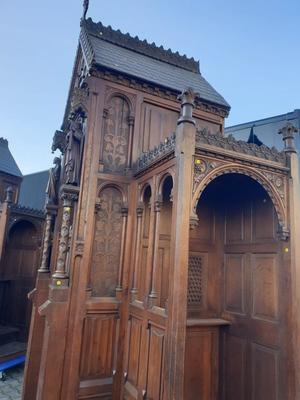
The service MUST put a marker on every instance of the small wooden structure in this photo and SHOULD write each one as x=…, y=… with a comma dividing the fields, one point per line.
x=20, y=240
x=173, y=272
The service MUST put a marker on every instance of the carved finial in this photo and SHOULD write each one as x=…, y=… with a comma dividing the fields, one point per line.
x=85, y=9
x=288, y=136
x=187, y=98
x=9, y=194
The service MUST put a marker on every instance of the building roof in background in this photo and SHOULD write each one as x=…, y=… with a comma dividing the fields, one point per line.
x=106, y=47
x=7, y=162
x=33, y=190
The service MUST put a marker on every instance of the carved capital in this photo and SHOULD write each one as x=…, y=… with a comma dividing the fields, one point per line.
x=124, y=210
x=131, y=120
x=194, y=221
x=283, y=233
x=288, y=136
x=187, y=99
x=69, y=194
x=140, y=210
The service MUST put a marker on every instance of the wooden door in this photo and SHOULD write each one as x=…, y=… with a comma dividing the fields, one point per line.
x=243, y=281
x=253, y=296
x=20, y=266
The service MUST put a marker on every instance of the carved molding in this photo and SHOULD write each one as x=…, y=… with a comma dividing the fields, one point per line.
x=152, y=89
x=204, y=136
x=158, y=152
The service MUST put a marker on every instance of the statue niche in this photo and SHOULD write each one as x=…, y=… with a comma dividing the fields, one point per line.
x=116, y=135
x=74, y=148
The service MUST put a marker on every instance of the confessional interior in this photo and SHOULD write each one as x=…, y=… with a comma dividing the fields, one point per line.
x=234, y=295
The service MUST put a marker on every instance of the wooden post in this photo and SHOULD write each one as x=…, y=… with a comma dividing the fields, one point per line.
x=4, y=214
x=176, y=325
x=293, y=251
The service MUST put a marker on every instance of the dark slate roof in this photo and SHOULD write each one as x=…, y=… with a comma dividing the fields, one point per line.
x=114, y=50
x=7, y=162
x=33, y=190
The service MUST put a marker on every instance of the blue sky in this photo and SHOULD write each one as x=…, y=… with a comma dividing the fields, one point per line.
x=248, y=50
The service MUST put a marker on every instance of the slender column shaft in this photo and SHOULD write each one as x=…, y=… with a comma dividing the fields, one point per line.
x=60, y=271
x=124, y=226
x=154, y=290
x=46, y=244
x=139, y=214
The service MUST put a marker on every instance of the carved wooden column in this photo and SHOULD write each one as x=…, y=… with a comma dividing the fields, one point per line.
x=291, y=253
x=124, y=211
x=69, y=195
x=50, y=216
x=177, y=306
x=139, y=215
x=153, y=292
x=129, y=154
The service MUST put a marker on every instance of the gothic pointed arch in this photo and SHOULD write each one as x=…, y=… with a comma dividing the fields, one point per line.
x=117, y=134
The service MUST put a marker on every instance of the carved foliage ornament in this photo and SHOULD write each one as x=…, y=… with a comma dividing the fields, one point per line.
x=230, y=143
x=273, y=183
x=116, y=135
x=107, y=242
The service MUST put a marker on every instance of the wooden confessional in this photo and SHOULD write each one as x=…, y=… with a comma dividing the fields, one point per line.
x=170, y=265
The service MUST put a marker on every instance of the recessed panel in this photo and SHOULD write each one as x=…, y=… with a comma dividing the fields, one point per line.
x=264, y=373
x=235, y=368
x=155, y=363
x=98, y=343
x=234, y=283
x=265, y=286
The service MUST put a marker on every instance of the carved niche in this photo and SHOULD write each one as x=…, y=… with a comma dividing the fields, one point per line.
x=107, y=243
x=116, y=135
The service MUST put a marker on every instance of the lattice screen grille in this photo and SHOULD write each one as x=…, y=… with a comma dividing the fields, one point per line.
x=195, y=295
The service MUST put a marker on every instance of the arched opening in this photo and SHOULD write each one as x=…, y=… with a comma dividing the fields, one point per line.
x=164, y=239
x=19, y=270
x=144, y=245
x=235, y=275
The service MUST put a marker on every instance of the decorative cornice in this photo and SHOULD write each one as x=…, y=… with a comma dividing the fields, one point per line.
x=32, y=212
x=154, y=89
x=158, y=152
x=140, y=46
x=204, y=136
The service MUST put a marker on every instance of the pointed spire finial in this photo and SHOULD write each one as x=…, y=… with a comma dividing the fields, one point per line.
x=85, y=8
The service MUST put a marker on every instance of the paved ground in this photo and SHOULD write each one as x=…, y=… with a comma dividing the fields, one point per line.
x=10, y=389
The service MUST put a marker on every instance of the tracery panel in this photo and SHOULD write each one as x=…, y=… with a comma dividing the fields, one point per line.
x=116, y=136
x=107, y=243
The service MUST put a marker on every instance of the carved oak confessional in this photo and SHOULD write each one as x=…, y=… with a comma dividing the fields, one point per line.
x=172, y=272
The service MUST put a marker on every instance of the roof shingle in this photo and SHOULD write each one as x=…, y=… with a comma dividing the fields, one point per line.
x=7, y=162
